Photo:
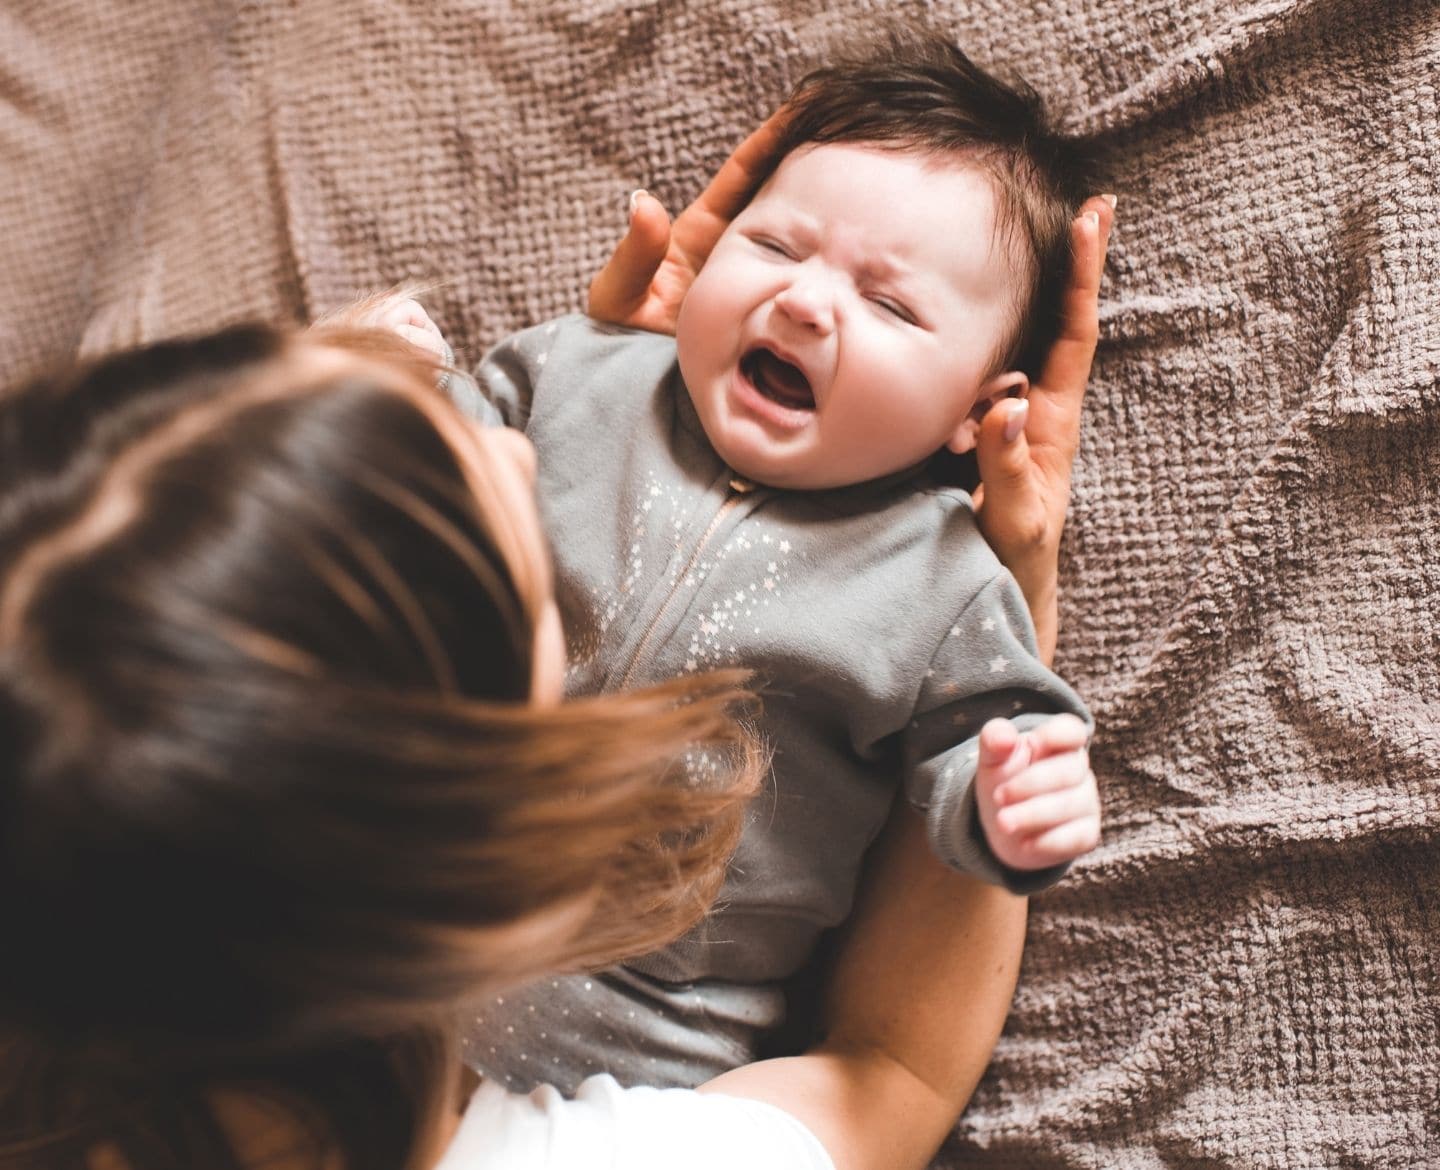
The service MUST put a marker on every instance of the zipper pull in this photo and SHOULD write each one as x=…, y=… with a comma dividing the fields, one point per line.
x=741, y=485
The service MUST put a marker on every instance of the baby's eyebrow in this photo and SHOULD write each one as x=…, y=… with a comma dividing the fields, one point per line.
x=787, y=215
x=885, y=269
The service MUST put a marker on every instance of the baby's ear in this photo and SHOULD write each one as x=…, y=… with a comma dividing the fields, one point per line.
x=1011, y=384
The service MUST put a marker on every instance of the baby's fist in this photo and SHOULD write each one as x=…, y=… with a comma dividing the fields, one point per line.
x=406, y=316
x=400, y=313
x=1038, y=802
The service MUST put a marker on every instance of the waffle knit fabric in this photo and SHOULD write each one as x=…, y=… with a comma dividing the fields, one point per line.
x=1247, y=972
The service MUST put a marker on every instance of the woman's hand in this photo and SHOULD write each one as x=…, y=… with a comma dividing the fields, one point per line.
x=653, y=267
x=1025, y=479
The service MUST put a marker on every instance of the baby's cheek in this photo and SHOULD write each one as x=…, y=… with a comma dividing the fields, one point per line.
x=701, y=320
x=891, y=421
x=710, y=310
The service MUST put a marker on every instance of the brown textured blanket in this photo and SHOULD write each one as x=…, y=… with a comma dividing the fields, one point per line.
x=1247, y=972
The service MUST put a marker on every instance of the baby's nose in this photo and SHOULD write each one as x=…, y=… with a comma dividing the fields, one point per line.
x=808, y=300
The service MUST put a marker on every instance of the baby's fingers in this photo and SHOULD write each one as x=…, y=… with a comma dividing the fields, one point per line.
x=998, y=741
x=1039, y=814
x=1062, y=733
x=411, y=314
x=1050, y=774
x=427, y=339
x=1062, y=843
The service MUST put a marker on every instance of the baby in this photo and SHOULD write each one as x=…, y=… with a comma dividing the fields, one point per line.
x=758, y=492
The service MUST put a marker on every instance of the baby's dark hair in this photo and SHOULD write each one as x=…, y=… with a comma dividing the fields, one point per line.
x=912, y=90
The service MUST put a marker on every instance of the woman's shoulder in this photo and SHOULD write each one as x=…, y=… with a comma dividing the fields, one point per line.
x=607, y=1127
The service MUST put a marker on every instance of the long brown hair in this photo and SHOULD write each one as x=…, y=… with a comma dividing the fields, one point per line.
x=272, y=798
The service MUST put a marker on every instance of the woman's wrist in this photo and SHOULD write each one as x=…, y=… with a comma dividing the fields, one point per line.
x=1037, y=571
x=1039, y=579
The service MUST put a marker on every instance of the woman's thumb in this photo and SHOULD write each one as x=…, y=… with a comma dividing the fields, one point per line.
x=621, y=286
x=1001, y=450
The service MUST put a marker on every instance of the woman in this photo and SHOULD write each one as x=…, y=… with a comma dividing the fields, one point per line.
x=286, y=780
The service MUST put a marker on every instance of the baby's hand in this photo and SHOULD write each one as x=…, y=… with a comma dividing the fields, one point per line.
x=406, y=316
x=1038, y=802
x=398, y=311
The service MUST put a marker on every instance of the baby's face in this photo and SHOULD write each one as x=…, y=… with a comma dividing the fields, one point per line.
x=846, y=323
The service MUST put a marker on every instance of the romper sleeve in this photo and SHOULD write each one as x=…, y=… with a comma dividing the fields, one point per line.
x=503, y=386
x=984, y=667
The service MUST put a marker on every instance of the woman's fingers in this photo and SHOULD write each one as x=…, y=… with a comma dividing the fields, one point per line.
x=1055, y=401
x=653, y=266
x=1025, y=471
x=1013, y=515
x=702, y=223
x=622, y=286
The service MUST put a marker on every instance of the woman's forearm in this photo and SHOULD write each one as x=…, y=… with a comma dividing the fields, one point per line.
x=915, y=1004
x=1039, y=584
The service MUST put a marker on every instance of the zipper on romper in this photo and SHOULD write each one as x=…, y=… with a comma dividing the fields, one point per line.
x=739, y=488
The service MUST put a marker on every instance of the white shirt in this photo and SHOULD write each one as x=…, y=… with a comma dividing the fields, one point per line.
x=609, y=1128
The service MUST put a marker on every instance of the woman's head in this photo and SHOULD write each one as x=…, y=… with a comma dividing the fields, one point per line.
x=280, y=765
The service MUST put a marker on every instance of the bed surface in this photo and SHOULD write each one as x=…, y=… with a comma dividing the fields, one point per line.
x=1245, y=973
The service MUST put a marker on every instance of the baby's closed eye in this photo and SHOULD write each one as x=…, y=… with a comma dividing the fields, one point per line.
x=771, y=245
x=892, y=307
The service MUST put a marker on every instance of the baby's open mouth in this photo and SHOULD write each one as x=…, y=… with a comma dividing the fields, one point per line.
x=777, y=379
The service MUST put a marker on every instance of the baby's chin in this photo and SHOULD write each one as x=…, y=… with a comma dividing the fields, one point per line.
x=793, y=462
x=794, y=471
x=773, y=466
x=758, y=461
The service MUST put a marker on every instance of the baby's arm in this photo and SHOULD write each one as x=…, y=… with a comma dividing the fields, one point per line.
x=985, y=667
x=923, y=982
x=914, y=1006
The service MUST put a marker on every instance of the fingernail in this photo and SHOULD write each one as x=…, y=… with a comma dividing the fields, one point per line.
x=1110, y=199
x=635, y=199
x=1016, y=422
x=1092, y=218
